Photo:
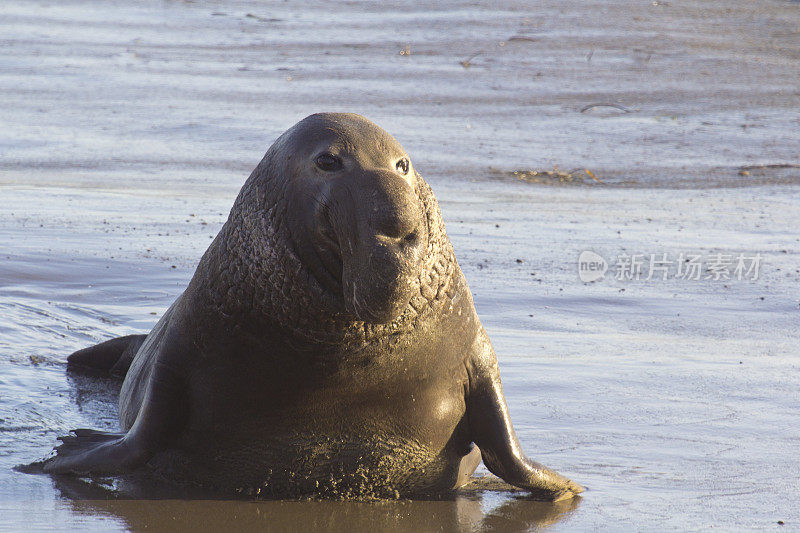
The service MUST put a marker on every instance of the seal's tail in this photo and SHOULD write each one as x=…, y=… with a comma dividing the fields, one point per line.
x=112, y=357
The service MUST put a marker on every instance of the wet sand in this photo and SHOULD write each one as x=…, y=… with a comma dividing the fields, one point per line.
x=127, y=131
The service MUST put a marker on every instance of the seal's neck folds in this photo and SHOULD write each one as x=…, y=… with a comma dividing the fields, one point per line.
x=255, y=277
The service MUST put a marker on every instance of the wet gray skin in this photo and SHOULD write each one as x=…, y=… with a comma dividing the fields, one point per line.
x=327, y=344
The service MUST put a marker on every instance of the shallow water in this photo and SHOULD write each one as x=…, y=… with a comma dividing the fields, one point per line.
x=127, y=131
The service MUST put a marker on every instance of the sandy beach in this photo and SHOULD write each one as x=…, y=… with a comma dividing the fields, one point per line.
x=126, y=132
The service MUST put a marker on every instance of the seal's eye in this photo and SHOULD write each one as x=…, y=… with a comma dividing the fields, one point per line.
x=402, y=166
x=328, y=162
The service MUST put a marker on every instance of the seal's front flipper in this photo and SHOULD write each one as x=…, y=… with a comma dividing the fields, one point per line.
x=491, y=429
x=112, y=357
x=159, y=418
x=88, y=451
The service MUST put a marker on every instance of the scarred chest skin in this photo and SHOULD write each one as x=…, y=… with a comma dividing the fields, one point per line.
x=308, y=414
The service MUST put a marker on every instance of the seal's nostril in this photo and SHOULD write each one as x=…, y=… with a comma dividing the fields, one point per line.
x=412, y=237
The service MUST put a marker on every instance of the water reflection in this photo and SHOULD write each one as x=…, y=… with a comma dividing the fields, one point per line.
x=472, y=511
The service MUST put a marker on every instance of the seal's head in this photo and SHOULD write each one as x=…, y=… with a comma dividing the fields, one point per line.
x=353, y=212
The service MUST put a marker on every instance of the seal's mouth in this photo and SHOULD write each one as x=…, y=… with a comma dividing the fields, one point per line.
x=372, y=278
x=368, y=242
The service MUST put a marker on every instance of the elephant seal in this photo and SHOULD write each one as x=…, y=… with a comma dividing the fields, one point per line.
x=326, y=345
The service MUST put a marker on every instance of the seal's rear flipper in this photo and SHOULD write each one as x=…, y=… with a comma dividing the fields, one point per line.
x=80, y=437
x=111, y=357
x=36, y=467
x=88, y=451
